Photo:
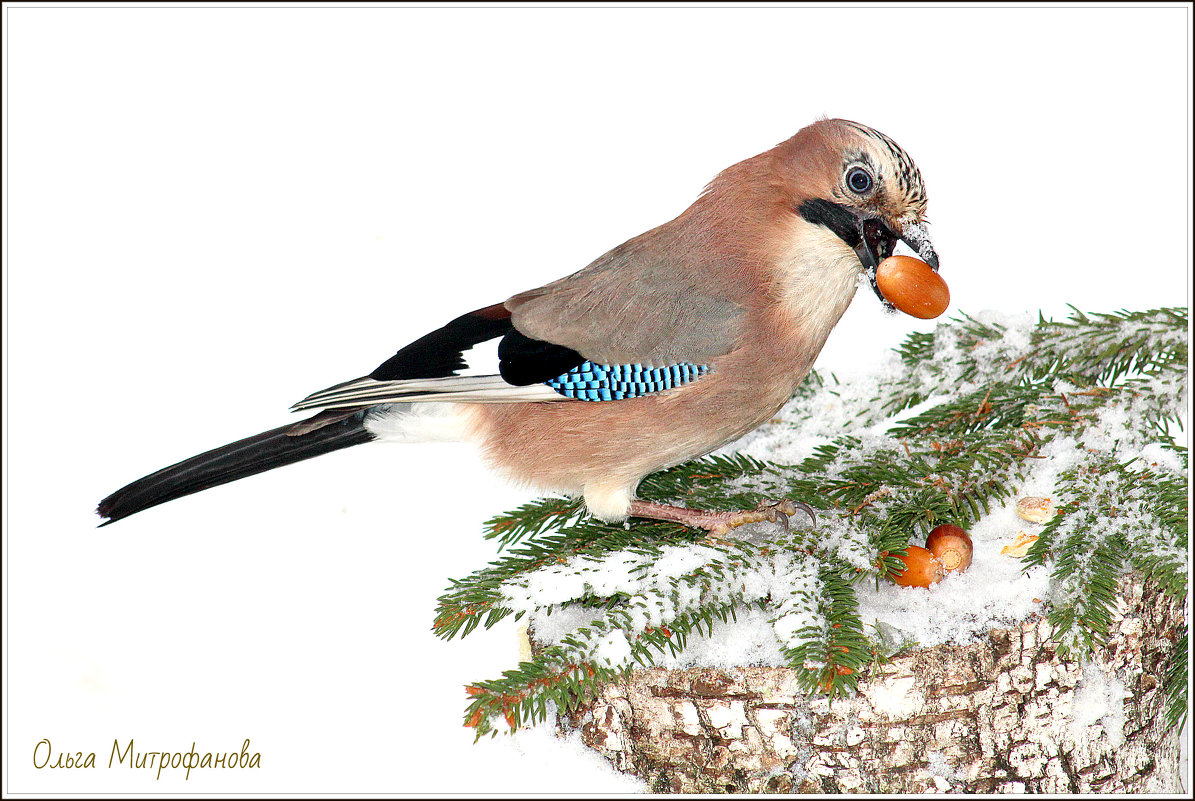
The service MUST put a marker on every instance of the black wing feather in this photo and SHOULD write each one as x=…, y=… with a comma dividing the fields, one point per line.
x=523, y=360
x=439, y=354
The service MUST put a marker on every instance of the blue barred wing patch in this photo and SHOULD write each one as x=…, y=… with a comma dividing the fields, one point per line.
x=600, y=382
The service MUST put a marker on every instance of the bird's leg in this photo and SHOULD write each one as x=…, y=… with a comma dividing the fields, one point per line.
x=719, y=524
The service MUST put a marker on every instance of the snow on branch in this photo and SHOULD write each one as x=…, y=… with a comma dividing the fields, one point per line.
x=953, y=428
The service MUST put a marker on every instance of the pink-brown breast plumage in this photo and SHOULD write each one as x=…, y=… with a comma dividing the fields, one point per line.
x=604, y=449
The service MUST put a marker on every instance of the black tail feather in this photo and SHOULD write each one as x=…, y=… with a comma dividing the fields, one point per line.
x=240, y=459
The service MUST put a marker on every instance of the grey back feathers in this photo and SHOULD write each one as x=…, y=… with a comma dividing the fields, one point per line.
x=637, y=304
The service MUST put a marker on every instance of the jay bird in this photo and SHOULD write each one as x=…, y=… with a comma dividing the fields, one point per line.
x=674, y=343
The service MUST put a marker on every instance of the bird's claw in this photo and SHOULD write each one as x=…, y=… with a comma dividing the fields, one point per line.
x=785, y=508
x=778, y=512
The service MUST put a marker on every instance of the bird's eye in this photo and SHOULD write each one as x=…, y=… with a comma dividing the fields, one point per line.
x=858, y=180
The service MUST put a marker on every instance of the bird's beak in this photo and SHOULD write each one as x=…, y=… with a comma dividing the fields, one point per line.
x=877, y=241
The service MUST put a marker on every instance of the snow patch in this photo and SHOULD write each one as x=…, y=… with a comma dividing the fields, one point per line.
x=997, y=590
x=1099, y=698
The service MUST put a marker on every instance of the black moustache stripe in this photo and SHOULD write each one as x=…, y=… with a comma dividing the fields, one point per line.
x=835, y=216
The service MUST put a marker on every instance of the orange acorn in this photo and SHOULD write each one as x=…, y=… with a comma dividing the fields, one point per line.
x=912, y=286
x=951, y=545
x=922, y=568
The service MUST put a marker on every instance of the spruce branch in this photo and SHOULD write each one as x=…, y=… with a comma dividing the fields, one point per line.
x=532, y=518
x=1176, y=681
x=970, y=413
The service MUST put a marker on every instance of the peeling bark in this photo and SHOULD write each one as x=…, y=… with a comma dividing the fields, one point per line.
x=1004, y=714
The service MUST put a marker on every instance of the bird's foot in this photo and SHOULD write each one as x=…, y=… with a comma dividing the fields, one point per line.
x=720, y=524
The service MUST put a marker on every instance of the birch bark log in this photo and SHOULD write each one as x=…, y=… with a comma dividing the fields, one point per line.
x=1004, y=714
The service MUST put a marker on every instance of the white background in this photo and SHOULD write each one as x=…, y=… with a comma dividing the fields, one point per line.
x=213, y=212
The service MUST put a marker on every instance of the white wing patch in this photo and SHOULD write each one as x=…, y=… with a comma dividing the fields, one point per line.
x=481, y=359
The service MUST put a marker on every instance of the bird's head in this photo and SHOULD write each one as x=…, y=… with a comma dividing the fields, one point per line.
x=859, y=185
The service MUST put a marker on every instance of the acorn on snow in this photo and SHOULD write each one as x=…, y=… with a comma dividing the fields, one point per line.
x=951, y=545
x=922, y=568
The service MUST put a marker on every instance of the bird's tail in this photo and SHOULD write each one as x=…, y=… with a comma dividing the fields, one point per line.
x=324, y=433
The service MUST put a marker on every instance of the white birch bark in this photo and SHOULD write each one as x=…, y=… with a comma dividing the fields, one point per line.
x=1005, y=714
